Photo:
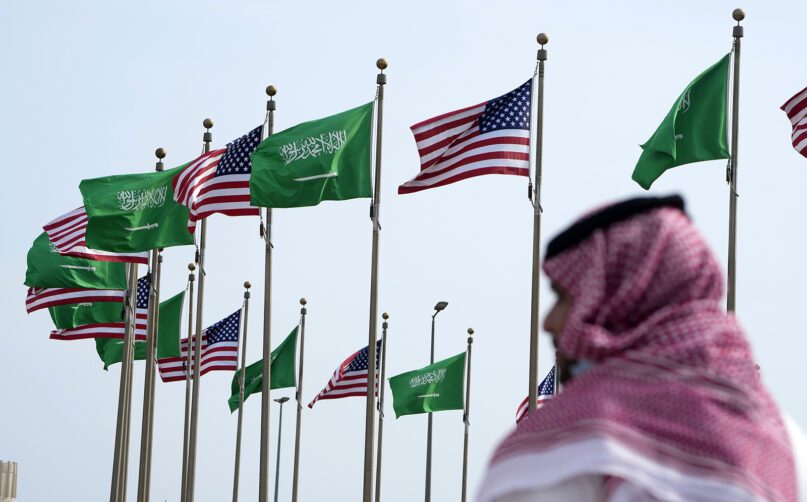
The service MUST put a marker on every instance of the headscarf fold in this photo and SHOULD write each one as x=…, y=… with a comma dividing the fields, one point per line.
x=674, y=402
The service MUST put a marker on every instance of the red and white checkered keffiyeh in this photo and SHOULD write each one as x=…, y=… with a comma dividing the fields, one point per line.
x=674, y=403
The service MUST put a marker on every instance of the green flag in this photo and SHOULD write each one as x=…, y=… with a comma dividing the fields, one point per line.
x=326, y=159
x=437, y=387
x=48, y=269
x=694, y=130
x=283, y=374
x=110, y=350
x=79, y=314
x=134, y=212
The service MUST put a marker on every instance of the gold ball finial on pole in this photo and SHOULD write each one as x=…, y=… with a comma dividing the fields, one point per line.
x=303, y=301
x=191, y=267
x=160, y=153
x=385, y=316
x=271, y=91
x=738, y=15
x=542, y=39
x=381, y=64
x=247, y=284
x=470, y=332
x=207, y=123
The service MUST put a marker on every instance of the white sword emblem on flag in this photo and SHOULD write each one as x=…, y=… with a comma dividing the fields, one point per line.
x=316, y=177
x=80, y=267
x=144, y=227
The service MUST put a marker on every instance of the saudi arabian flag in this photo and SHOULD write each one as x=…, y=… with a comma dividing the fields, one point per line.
x=48, y=269
x=326, y=159
x=437, y=387
x=79, y=314
x=110, y=350
x=134, y=212
x=283, y=374
x=694, y=130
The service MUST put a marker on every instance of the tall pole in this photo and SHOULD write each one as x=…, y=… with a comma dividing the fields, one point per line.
x=439, y=307
x=241, y=381
x=731, y=291
x=384, y=326
x=536, y=227
x=188, y=362
x=144, y=479
x=266, y=375
x=117, y=485
x=279, y=437
x=197, y=345
x=299, y=397
x=375, y=209
x=127, y=419
x=466, y=417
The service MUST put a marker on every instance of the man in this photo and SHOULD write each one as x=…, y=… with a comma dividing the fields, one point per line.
x=663, y=400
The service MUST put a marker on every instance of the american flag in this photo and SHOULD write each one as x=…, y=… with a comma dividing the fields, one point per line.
x=40, y=298
x=218, y=181
x=219, y=351
x=796, y=110
x=68, y=233
x=113, y=329
x=350, y=378
x=546, y=391
x=490, y=138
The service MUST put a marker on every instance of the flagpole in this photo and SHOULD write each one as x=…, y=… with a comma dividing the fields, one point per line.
x=738, y=15
x=116, y=484
x=241, y=378
x=299, y=392
x=197, y=350
x=127, y=420
x=536, y=227
x=144, y=479
x=266, y=375
x=466, y=417
x=375, y=209
x=384, y=326
x=187, y=421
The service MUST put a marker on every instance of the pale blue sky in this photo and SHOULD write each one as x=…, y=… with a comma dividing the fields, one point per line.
x=91, y=88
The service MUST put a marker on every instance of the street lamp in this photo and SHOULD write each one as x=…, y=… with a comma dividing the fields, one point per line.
x=439, y=307
x=280, y=401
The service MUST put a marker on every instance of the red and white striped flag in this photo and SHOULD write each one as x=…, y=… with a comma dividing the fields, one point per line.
x=219, y=351
x=218, y=181
x=68, y=233
x=113, y=329
x=490, y=138
x=40, y=298
x=796, y=110
x=546, y=391
x=350, y=378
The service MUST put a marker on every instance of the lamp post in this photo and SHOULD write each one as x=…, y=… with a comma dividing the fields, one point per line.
x=280, y=401
x=439, y=307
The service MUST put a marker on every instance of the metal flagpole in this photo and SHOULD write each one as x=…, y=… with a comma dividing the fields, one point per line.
x=280, y=401
x=738, y=15
x=117, y=484
x=187, y=430
x=266, y=233
x=299, y=396
x=197, y=346
x=536, y=227
x=384, y=326
x=466, y=417
x=127, y=420
x=375, y=209
x=241, y=381
x=144, y=479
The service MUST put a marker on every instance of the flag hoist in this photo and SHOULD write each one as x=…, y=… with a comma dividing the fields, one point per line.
x=118, y=483
x=241, y=377
x=535, y=196
x=375, y=209
x=266, y=233
x=384, y=327
x=188, y=365
x=738, y=15
x=299, y=399
x=466, y=414
x=207, y=138
x=146, y=435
